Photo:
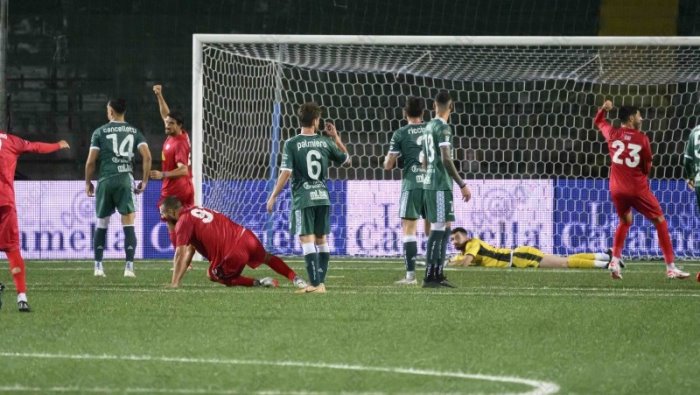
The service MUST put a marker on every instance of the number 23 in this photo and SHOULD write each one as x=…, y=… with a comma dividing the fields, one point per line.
x=633, y=160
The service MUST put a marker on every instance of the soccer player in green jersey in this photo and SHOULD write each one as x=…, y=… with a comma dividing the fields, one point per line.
x=305, y=159
x=437, y=189
x=112, y=147
x=692, y=162
x=406, y=143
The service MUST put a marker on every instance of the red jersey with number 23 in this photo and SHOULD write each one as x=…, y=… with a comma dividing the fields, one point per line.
x=630, y=152
x=176, y=149
x=211, y=233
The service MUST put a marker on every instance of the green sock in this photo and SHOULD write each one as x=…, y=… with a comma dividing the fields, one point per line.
x=99, y=243
x=129, y=242
x=434, y=249
x=312, y=268
x=323, y=258
x=443, y=250
x=410, y=249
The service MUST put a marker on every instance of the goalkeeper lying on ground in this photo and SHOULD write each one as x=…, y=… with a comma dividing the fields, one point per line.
x=475, y=252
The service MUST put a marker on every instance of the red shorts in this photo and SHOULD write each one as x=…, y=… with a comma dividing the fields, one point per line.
x=643, y=201
x=248, y=251
x=9, y=229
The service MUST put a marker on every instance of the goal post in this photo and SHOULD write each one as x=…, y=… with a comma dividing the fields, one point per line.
x=524, y=136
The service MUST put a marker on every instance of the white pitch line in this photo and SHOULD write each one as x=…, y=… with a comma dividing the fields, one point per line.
x=538, y=387
x=137, y=390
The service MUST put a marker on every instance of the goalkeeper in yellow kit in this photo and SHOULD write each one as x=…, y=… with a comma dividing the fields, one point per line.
x=475, y=252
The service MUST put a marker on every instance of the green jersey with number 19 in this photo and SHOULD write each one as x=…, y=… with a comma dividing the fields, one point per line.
x=117, y=143
x=407, y=141
x=308, y=158
x=437, y=134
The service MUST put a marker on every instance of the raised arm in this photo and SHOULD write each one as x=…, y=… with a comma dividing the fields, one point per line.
x=600, y=120
x=452, y=171
x=162, y=105
x=146, y=157
x=333, y=133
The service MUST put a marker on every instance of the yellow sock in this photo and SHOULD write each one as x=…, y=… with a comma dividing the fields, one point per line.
x=582, y=263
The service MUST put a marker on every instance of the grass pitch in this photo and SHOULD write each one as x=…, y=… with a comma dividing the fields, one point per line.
x=501, y=331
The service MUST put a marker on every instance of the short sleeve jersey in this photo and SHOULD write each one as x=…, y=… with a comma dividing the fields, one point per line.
x=407, y=142
x=308, y=158
x=631, y=156
x=211, y=233
x=692, y=156
x=487, y=255
x=176, y=149
x=117, y=143
x=437, y=134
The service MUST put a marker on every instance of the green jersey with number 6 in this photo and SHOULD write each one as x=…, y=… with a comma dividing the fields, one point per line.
x=437, y=134
x=692, y=156
x=308, y=158
x=117, y=142
x=407, y=141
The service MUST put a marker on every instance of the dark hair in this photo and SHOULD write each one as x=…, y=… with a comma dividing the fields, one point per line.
x=459, y=230
x=308, y=112
x=118, y=105
x=171, y=203
x=415, y=106
x=443, y=100
x=177, y=117
x=625, y=112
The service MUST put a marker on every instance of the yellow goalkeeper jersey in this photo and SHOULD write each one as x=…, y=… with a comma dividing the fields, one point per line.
x=489, y=256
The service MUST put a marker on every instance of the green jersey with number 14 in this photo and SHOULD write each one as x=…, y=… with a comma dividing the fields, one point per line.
x=437, y=134
x=308, y=157
x=117, y=143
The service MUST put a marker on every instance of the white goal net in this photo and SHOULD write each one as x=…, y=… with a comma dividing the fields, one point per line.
x=523, y=123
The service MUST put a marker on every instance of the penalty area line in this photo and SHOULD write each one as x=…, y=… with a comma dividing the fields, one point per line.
x=537, y=387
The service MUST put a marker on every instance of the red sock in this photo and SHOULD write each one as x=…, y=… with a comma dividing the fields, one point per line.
x=665, y=241
x=239, y=281
x=17, y=270
x=619, y=240
x=280, y=267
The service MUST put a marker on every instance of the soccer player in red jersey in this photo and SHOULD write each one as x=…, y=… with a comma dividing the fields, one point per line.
x=11, y=147
x=630, y=151
x=228, y=246
x=176, y=167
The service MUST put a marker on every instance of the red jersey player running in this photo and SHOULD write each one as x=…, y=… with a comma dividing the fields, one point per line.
x=11, y=147
x=176, y=174
x=631, y=162
x=228, y=246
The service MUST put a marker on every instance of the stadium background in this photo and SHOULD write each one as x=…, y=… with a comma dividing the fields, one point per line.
x=59, y=78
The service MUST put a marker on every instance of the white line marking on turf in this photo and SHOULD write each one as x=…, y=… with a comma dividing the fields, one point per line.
x=106, y=390
x=538, y=387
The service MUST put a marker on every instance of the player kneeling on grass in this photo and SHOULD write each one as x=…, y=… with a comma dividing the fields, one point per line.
x=476, y=252
x=228, y=246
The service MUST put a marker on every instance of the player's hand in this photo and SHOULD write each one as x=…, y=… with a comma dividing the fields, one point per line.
x=608, y=105
x=331, y=130
x=157, y=89
x=63, y=144
x=271, y=204
x=691, y=184
x=466, y=193
x=140, y=187
x=156, y=175
x=89, y=189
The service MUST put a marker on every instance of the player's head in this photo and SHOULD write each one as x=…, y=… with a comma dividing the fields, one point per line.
x=310, y=115
x=459, y=238
x=630, y=115
x=174, y=122
x=414, y=107
x=116, y=108
x=443, y=103
x=170, y=209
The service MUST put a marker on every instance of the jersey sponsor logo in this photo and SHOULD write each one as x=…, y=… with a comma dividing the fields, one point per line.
x=125, y=168
x=312, y=185
x=318, y=194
